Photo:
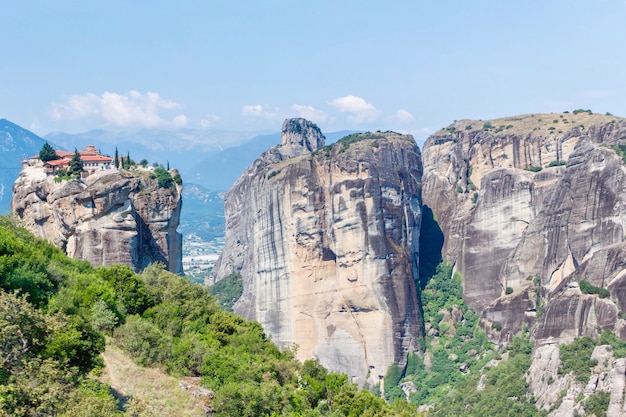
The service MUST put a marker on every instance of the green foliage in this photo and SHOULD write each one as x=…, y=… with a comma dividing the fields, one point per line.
x=50, y=322
x=144, y=162
x=582, y=111
x=459, y=342
x=621, y=151
x=163, y=177
x=576, y=358
x=533, y=168
x=505, y=393
x=116, y=160
x=392, y=379
x=228, y=290
x=587, y=288
x=346, y=141
x=47, y=153
x=487, y=126
x=597, y=403
x=76, y=165
x=468, y=127
x=508, y=290
x=557, y=163
x=102, y=318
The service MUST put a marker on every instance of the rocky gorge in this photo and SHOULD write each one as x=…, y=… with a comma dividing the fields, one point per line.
x=110, y=217
x=532, y=213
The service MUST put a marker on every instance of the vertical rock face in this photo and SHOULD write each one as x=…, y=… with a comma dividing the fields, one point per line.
x=530, y=210
x=327, y=245
x=109, y=217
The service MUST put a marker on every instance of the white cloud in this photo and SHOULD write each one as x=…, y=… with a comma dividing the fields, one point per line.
x=309, y=113
x=129, y=109
x=258, y=110
x=360, y=110
x=208, y=120
x=403, y=116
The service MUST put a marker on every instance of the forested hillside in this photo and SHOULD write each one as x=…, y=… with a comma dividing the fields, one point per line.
x=55, y=313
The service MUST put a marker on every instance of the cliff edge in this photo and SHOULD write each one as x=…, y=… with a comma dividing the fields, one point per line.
x=109, y=217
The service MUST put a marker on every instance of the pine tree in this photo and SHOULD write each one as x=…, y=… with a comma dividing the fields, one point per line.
x=168, y=165
x=117, y=159
x=76, y=164
x=128, y=160
x=47, y=153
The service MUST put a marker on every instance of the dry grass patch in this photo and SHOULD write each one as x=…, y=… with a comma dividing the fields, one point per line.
x=536, y=124
x=146, y=391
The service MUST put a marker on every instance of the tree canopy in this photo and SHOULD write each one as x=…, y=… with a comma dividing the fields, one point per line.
x=47, y=153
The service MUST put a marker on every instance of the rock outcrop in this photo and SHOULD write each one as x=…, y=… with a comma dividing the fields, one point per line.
x=107, y=218
x=326, y=240
x=529, y=206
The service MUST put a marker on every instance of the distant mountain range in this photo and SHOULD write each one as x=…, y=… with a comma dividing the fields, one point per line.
x=183, y=149
x=219, y=170
x=213, y=159
x=16, y=144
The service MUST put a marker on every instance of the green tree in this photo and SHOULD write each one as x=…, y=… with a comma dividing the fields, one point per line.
x=102, y=318
x=23, y=331
x=76, y=164
x=117, y=159
x=47, y=153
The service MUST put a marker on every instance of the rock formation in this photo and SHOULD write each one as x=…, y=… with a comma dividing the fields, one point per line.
x=532, y=209
x=326, y=240
x=107, y=218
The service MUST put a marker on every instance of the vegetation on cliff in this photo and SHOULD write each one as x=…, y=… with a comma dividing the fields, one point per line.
x=54, y=312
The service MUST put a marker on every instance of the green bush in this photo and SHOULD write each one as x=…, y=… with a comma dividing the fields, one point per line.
x=557, y=163
x=587, y=288
x=508, y=290
x=533, y=168
x=576, y=358
x=163, y=177
x=597, y=403
x=228, y=290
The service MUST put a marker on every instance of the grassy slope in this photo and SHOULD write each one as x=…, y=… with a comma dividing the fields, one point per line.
x=157, y=394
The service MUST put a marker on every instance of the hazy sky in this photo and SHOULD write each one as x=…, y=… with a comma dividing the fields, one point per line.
x=410, y=66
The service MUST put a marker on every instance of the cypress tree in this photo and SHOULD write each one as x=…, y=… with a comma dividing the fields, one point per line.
x=117, y=159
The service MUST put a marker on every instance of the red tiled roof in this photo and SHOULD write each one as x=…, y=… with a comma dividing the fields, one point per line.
x=64, y=154
x=58, y=162
x=95, y=158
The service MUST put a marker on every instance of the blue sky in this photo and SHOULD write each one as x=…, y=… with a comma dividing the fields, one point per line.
x=409, y=66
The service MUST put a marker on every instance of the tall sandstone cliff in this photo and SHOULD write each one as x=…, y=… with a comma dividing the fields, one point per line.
x=326, y=240
x=107, y=218
x=530, y=207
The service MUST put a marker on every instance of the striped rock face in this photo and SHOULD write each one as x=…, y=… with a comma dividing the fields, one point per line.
x=326, y=240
